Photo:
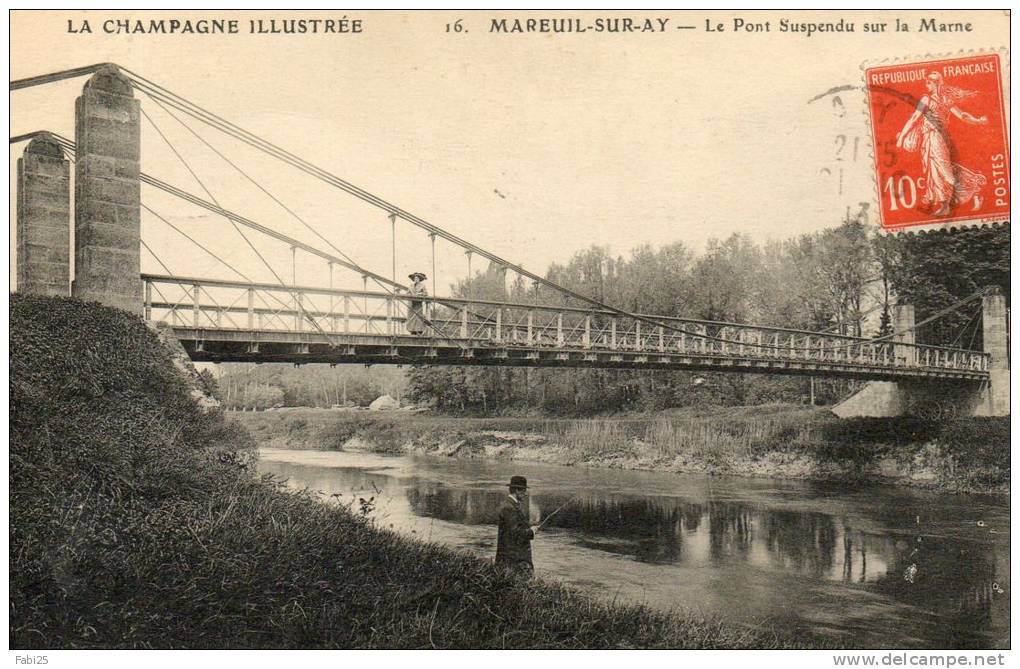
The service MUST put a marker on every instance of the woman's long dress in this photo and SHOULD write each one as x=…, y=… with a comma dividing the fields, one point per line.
x=416, y=311
x=947, y=184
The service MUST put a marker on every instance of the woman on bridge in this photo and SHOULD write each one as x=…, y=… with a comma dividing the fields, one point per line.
x=416, y=311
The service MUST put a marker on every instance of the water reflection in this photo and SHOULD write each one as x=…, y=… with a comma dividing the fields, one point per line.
x=953, y=578
x=669, y=530
x=764, y=554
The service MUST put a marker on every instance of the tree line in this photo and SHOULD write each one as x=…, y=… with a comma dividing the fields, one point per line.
x=845, y=280
x=245, y=386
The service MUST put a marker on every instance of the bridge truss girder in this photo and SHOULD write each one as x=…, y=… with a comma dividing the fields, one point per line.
x=212, y=345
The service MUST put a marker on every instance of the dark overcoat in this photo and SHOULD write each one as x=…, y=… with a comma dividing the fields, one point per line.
x=513, y=543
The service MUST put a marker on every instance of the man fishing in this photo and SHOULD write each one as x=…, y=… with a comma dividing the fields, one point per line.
x=513, y=543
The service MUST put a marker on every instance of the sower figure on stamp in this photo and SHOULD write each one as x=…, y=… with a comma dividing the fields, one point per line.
x=513, y=543
x=416, y=310
x=947, y=184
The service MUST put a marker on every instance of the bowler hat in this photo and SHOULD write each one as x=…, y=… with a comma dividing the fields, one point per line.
x=519, y=482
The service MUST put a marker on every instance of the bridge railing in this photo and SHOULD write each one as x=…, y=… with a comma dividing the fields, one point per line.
x=226, y=305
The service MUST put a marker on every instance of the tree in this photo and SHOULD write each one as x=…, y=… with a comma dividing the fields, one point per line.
x=932, y=271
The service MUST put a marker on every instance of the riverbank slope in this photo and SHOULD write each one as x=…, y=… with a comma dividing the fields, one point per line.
x=785, y=441
x=137, y=521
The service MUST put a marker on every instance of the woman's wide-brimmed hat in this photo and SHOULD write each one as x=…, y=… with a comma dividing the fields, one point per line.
x=416, y=276
x=519, y=482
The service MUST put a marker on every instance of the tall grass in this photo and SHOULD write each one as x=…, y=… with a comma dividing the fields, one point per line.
x=734, y=433
x=748, y=437
x=967, y=453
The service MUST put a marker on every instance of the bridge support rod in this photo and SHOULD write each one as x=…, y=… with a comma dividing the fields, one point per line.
x=196, y=295
x=435, y=289
x=332, y=301
x=393, y=243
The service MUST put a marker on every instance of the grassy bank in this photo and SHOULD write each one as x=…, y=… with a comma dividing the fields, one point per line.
x=136, y=521
x=970, y=454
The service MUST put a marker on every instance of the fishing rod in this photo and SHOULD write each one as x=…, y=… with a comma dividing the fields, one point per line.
x=558, y=509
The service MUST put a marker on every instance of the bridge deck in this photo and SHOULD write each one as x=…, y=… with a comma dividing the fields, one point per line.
x=222, y=345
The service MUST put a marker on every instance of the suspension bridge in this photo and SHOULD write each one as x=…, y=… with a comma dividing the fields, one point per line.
x=243, y=319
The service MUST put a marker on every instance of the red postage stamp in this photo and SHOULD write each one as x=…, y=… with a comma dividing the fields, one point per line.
x=940, y=141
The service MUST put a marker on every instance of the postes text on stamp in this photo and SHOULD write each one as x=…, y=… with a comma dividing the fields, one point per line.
x=940, y=142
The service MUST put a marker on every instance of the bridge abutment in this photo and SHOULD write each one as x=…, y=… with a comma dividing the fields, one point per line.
x=107, y=212
x=897, y=398
x=44, y=219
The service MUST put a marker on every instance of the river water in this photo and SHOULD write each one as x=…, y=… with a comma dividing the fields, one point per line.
x=868, y=566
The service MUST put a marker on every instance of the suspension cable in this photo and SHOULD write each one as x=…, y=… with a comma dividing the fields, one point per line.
x=223, y=262
x=71, y=158
x=153, y=253
x=262, y=188
x=210, y=195
x=28, y=82
x=967, y=325
x=390, y=287
x=977, y=326
x=197, y=243
x=221, y=124
x=294, y=293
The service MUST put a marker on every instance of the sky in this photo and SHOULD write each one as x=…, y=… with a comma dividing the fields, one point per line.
x=533, y=146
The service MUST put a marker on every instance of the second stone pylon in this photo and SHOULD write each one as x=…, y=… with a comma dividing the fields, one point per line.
x=107, y=209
